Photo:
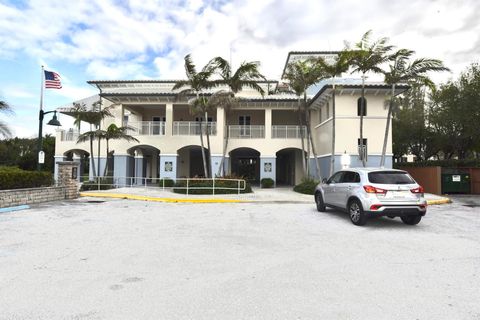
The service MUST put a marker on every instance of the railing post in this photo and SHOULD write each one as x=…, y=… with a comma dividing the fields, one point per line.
x=213, y=184
x=238, y=187
x=187, y=186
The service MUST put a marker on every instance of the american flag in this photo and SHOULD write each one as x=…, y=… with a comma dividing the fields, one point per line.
x=52, y=80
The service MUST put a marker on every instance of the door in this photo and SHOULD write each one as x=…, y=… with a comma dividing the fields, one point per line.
x=244, y=122
x=156, y=125
x=330, y=189
x=343, y=190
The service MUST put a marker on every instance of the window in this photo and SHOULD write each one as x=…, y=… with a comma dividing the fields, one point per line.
x=390, y=177
x=125, y=119
x=362, y=150
x=244, y=122
x=336, y=178
x=359, y=107
x=350, y=177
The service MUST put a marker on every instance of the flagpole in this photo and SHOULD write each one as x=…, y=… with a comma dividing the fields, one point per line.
x=40, y=121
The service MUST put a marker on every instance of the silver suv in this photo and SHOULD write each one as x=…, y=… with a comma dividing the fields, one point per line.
x=373, y=192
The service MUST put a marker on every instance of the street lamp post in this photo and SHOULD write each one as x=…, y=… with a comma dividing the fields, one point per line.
x=53, y=122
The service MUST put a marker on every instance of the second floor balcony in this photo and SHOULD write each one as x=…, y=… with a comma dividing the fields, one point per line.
x=146, y=128
x=192, y=128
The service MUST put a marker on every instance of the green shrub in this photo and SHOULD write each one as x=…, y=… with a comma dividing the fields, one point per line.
x=166, y=182
x=180, y=186
x=267, y=183
x=307, y=186
x=15, y=178
x=105, y=184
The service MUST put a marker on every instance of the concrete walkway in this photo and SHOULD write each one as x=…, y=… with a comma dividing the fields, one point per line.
x=276, y=195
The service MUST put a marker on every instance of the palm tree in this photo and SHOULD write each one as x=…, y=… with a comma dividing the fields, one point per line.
x=401, y=71
x=198, y=82
x=367, y=57
x=115, y=133
x=4, y=129
x=333, y=69
x=247, y=75
x=301, y=75
x=94, y=118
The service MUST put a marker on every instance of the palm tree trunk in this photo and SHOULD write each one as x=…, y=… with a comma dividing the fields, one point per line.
x=209, y=157
x=332, y=159
x=92, y=161
x=317, y=164
x=105, y=171
x=221, y=171
x=302, y=136
x=362, y=110
x=98, y=158
x=387, y=128
x=205, y=172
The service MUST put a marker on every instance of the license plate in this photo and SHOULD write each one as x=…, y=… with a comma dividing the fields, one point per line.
x=398, y=194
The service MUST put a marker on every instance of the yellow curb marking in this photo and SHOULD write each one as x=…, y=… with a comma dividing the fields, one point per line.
x=144, y=198
x=439, y=201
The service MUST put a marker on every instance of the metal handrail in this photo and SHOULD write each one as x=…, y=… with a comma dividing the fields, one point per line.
x=135, y=182
x=246, y=131
x=192, y=128
x=288, y=131
x=146, y=128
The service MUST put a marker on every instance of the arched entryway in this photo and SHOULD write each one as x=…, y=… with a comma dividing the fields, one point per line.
x=245, y=162
x=145, y=162
x=289, y=166
x=81, y=156
x=190, y=162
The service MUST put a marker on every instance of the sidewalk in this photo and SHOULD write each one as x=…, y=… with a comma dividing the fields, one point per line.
x=275, y=195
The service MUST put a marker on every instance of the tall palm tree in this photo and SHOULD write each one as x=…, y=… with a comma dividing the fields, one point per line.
x=4, y=129
x=402, y=71
x=115, y=133
x=198, y=82
x=94, y=117
x=247, y=75
x=368, y=56
x=302, y=75
x=335, y=69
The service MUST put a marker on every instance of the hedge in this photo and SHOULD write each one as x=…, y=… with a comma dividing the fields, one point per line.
x=15, y=178
x=180, y=186
x=105, y=184
x=451, y=163
x=267, y=183
x=307, y=186
x=166, y=182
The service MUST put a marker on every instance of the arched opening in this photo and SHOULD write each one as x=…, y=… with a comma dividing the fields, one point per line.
x=81, y=156
x=289, y=166
x=144, y=162
x=245, y=162
x=190, y=162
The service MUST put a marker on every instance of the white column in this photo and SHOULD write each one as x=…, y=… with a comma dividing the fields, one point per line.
x=169, y=119
x=268, y=123
x=221, y=124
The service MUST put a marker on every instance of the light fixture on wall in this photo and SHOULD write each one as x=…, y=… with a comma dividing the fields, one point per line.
x=345, y=160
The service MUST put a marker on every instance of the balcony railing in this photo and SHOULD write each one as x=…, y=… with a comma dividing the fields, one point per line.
x=70, y=135
x=192, y=128
x=288, y=132
x=246, y=132
x=146, y=128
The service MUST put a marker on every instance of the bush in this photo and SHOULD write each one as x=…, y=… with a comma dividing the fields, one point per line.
x=208, y=184
x=105, y=184
x=267, y=183
x=307, y=186
x=167, y=182
x=15, y=178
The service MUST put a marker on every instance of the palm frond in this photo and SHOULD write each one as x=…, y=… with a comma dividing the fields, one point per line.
x=5, y=130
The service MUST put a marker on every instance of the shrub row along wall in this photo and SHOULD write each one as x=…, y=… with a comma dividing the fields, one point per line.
x=11, y=198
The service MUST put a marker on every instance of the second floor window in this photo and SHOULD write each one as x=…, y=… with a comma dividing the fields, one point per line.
x=359, y=107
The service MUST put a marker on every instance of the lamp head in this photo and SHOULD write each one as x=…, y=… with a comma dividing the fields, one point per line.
x=54, y=121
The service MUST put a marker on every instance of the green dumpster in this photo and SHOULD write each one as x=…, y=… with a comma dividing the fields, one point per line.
x=455, y=183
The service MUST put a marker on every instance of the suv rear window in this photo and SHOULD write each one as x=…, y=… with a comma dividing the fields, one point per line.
x=390, y=177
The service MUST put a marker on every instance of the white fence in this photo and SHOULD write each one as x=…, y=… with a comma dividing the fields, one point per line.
x=246, y=132
x=288, y=132
x=187, y=184
x=192, y=128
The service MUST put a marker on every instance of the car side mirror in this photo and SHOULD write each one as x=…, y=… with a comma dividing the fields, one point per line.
x=324, y=180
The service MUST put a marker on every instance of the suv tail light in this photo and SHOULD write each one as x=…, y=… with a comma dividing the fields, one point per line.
x=417, y=190
x=372, y=189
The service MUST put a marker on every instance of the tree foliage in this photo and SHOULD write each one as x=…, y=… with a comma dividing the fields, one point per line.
x=22, y=152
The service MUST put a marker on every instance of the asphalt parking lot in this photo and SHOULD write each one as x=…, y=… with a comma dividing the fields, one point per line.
x=124, y=259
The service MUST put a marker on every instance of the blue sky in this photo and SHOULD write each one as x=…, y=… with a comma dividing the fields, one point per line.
x=147, y=39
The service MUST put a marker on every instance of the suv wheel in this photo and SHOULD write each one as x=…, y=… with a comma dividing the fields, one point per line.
x=356, y=213
x=411, y=220
x=319, y=202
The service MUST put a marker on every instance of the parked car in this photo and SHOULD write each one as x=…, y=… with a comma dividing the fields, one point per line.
x=373, y=192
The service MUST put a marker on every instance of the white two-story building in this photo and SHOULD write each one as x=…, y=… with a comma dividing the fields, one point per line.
x=264, y=135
